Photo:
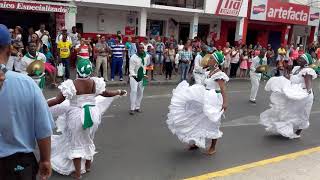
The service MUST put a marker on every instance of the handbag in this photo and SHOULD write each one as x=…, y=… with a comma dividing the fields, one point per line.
x=61, y=70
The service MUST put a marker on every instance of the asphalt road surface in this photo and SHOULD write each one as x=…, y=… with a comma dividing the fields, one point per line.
x=141, y=147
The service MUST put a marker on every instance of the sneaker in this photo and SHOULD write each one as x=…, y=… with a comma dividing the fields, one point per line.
x=112, y=79
x=138, y=110
x=252, y=101
x=121, y=79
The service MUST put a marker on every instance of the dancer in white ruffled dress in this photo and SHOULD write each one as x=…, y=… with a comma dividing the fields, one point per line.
x=79, y=107
x=291, y=100
x=195, y=111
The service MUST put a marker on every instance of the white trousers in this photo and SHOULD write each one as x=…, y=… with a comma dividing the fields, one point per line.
x=136, y=93
x=255, y=82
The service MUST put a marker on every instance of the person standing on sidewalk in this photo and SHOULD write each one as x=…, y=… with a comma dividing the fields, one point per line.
x=254, y=76
x=185, y=58
x=118, y=50
x=64, y=52
x=25, y=120
x=102, y=58
x=131, y=50
x=159, y=57
x=199, y=71
x=137, y=69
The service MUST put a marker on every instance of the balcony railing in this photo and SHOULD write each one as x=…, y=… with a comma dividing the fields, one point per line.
x=192, y=4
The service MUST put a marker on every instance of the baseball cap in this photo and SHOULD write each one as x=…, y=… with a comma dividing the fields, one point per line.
x=5, y=38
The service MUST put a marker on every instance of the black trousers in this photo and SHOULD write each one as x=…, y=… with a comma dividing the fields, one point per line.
x=168, y=68
x=234, y=69
x=19, y=166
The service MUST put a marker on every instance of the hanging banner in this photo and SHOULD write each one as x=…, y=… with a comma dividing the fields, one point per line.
x=34, y=6
x=229, y=7
x=289, y=13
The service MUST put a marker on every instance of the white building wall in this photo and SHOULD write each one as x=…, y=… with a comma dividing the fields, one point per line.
x=114, y=20
x=137, y=3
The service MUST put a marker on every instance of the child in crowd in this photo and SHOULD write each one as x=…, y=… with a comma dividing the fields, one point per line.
x=244, y=64
x=49, y=66
x=150, y=52
x=168, y=64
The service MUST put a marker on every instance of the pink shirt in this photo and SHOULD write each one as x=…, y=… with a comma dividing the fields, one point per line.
x=294, y=54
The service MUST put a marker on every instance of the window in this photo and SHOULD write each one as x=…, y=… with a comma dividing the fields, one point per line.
x=192, y=4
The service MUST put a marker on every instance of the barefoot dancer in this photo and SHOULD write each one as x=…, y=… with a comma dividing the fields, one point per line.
x=195, y=111
x=79, y=105
x=291, y=100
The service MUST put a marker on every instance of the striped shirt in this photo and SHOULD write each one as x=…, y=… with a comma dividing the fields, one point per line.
x=117, y=50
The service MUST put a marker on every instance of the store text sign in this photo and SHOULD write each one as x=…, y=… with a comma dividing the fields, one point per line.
x=229, y=7
x=31, y=6
x=274, y=11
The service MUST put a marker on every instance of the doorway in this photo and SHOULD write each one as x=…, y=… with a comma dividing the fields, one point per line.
x=184, y=31
x=231, y=36
x=203, y=31
x=274, y=39
x=252, y=37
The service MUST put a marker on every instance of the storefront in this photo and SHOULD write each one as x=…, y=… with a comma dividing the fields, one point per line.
x=273, y=22
x=32, y=13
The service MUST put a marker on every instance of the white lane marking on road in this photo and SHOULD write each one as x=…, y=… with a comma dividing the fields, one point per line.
x=108, y=116
x=169, y=95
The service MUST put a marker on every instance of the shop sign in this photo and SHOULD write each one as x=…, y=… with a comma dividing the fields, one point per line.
x=32, y=6
x=229, y=7
x=274, y=11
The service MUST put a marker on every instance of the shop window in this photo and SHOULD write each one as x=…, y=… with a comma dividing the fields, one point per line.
x=155, y=28
x=192, y=4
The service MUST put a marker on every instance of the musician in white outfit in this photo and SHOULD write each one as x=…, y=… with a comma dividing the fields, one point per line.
x=198, y=71
x=138, y=78
x=254, y=76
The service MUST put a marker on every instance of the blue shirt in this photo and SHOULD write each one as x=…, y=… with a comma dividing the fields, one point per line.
x=24, y=115
x=49, y=56
x=117, y=50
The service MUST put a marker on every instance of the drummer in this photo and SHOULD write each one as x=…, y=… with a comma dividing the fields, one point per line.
x=31, y=56
x=256, y=76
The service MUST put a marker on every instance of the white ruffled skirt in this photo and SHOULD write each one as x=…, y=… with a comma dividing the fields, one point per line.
x=290, y=108
x=74, y=141
x=195, y=114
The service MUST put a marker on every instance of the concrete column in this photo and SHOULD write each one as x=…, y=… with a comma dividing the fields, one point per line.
x=241, y=31
x=143, y=23
x=194, y=26
x=70, y=18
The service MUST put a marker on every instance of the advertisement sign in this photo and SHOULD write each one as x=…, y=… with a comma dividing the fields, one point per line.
x=229, y=7
x=274, y=11
x=33, y=6
x=314, y=16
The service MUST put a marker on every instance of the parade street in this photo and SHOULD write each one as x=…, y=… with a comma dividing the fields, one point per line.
x=141, y=147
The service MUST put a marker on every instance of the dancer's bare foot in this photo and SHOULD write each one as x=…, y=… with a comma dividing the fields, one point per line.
x=193, y=147
x=211, y=152
x=76, y=176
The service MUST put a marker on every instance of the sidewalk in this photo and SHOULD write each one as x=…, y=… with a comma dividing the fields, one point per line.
x=303, y=165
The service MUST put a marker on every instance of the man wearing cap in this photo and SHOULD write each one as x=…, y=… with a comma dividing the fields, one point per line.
x=63, y=31
x=254, y=76
x=25, y=121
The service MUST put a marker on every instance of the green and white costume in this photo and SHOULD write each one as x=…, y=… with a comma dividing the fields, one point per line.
x=27, y=60
x=78, y=118
x=137, y=70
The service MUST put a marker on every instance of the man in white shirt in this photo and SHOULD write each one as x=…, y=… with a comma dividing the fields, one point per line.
x=198, y=71
x=137, y=70
x=74, y=36
x=31, y=56
x=254, y=76
x=42, y=31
